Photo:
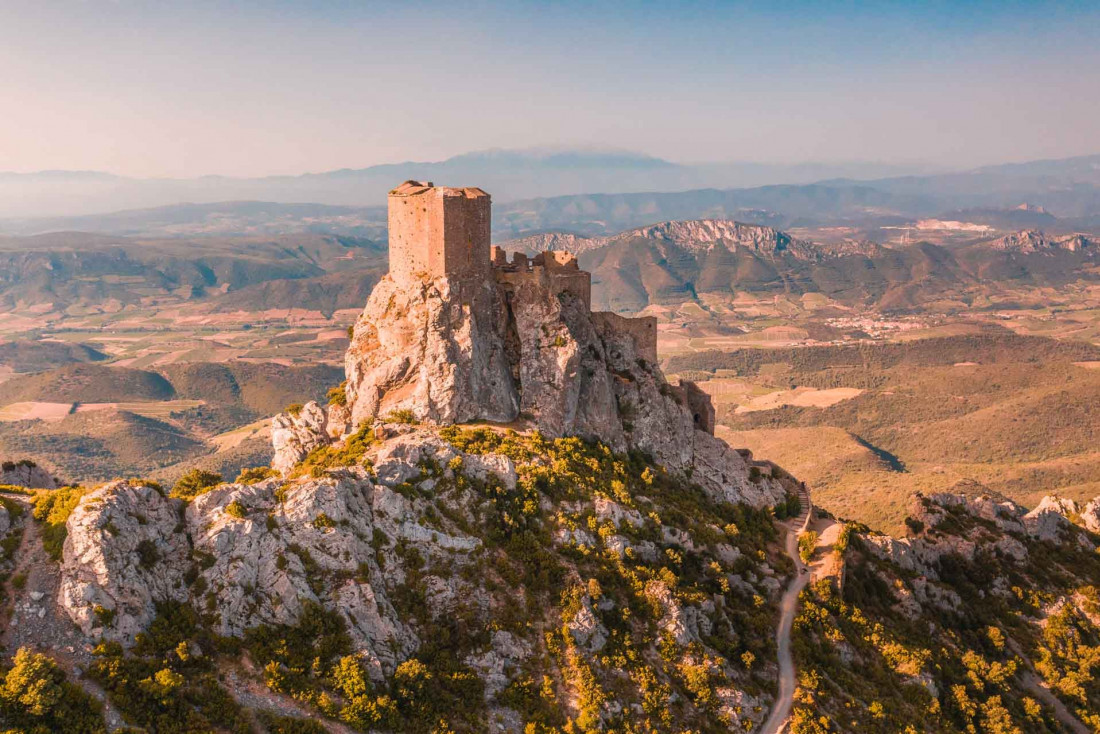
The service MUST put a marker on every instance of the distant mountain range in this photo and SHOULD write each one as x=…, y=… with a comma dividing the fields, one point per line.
x=674, y=262
x=1067, y=187
x=554, y=192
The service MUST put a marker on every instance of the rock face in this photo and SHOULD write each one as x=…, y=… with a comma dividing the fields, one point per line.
x=294, y=436
x=268, y=549
x=125, y=552
x=26, y=473
x=434, y=348
x=1090, y=516
x=692, y=235
x=450, y=355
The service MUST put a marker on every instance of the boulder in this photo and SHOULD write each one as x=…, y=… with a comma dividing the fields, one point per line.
x=25, y=473
x=294, y=436
x=125, y=552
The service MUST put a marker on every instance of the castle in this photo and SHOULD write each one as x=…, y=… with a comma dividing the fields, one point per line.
x=445, y=232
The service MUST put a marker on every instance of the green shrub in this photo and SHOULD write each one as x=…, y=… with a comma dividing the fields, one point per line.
x=36, y=697
x=350, y=453
x=104, y=616
x=147, y=554
x=160, y=686
x=236, y=509
x=294, y=409
x=339, y=394
x=275, y=724
x=255, y=474
x=52, y=508
x=402, y=416
x=194, y=483
x=807, y=541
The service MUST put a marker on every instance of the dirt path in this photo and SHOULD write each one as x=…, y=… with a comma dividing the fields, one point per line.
x=242, y=682
x=788, y=609
x=37, y=621
x=1041, y=691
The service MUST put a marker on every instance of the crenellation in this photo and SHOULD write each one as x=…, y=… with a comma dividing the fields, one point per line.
x=445, y=232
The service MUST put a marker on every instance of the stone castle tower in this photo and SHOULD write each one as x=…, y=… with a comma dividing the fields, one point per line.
x=438, y=231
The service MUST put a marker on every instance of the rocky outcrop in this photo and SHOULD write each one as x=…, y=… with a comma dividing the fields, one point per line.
x=125, y=552
x=1032, y=241
x=446, y=353
x=1090, y=516
x=435, y=349
x=697, y=235
x=1050, y=518
x=293, y=436
x=273, y=549
x=26, y=473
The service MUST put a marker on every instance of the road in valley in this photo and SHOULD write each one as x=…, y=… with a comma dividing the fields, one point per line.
x=788, y=608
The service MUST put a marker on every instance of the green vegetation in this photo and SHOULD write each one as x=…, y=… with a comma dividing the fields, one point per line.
x=951, y=665
x=339, y=394
x=162, y=685
x=350, y=453
x=294, y=409
x=194, y=483
x=401, y=416
x=807, y=541
x=255, y=474
x=52, y=508
x=275, y=724
x=35, y=697
x=791, y=506
x=236, y=509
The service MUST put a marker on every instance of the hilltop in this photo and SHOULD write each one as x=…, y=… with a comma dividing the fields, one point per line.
x=507, y=519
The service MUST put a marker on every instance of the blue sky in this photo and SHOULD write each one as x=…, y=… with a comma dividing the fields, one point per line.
x=159, y=88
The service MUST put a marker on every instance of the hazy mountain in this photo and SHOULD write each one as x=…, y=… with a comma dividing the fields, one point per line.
x=508, y=174
x=79, y=268
x=677, y=261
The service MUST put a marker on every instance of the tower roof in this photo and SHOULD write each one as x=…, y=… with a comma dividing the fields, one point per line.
x=420, y=188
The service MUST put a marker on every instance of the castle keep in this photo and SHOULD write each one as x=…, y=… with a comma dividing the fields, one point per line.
x=438, y=231
x=461, y=331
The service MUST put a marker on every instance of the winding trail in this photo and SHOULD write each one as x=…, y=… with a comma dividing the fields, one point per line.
x=788, y=608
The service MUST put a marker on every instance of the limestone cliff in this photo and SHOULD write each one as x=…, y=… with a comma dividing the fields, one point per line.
x=519, y=350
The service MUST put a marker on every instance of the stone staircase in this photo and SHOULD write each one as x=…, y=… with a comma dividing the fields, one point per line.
x=803, y=518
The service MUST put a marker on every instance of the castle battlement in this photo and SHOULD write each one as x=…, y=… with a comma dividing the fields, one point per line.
x=438, y=231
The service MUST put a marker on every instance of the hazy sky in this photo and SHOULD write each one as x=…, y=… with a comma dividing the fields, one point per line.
x=186, y=87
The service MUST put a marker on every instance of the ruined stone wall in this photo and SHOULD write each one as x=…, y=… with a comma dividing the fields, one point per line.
x=556, y=272
x=699, y=403
x=642, y=330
